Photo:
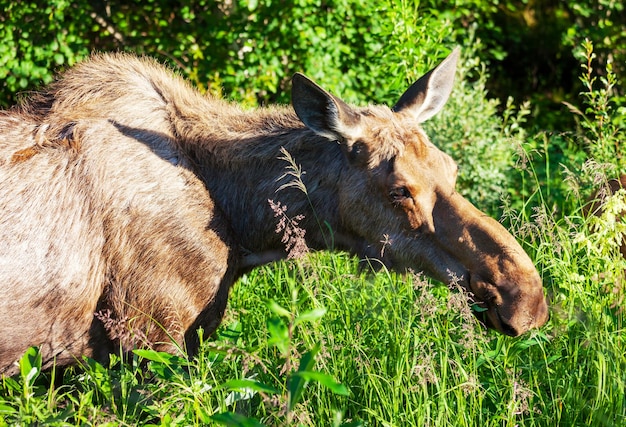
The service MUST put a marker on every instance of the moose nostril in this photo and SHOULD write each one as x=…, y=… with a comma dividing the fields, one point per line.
x=508, y=329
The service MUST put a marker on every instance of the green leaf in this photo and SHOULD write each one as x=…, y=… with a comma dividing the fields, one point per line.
x=243, y=384
x=6, y=409
x=308, y=359
x=231, y=332
x=30, y=365
x=279, y=335
x=161, y=357
x=237, y=420
x=252, y=4
x=164, y=365
x=297, y=383
x=310, y=316
x=11, y=384
x=277, y=309
x=326, y=380
x=478, y=309
x=59, y=59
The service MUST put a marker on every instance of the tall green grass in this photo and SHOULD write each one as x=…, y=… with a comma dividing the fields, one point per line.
x=407, y=352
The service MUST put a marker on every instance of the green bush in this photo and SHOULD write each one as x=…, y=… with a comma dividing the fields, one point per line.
x=35, y=41
x=246, y=50
x=529, y=47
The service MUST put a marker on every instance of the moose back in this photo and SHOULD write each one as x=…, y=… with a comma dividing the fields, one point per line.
x=129, y=204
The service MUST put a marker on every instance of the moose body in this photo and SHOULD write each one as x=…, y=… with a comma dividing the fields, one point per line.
x=130, y=203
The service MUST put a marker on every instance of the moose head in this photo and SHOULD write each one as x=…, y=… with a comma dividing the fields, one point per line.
x=398, y=202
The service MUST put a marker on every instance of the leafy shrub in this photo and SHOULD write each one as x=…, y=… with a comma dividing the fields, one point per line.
x=529, y=47
x=246, y=49
x=36, y=40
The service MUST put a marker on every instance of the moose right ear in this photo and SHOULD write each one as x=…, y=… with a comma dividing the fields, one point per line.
x=323, y=113
x=427, y=96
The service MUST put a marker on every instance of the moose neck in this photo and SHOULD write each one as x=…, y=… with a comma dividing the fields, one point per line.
x=243, y=160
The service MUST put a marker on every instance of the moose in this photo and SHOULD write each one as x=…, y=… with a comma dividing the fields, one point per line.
x=130, y=203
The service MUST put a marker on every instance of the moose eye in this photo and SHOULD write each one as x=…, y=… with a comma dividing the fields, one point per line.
x=358, y=153
x=399, y=194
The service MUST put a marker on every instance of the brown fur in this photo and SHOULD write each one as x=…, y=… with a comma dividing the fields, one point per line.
x=128, y=199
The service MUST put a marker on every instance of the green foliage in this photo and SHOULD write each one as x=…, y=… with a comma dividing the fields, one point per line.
x=36, y=40
x=247, y=50
x=529, y=47
x=560, y=170
x=604, y=127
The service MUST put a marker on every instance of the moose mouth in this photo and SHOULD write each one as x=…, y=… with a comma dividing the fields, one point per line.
x=500, y=325
x=484, y=309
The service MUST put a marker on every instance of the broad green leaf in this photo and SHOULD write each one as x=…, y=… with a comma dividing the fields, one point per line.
x=161, y=357
x=277, y=309
x=6, y=409
x=248, y=384
x=297, y=383
x=279, y=335
x=310, y=316
x=30, y=365
x=236, y=420
x=326, y=380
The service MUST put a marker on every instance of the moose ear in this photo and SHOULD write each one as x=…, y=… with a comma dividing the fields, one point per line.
x=427, y=96
x=322, y=112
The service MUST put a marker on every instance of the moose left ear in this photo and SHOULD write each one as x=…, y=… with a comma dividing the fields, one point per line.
x=322, y=112
x=427, y=96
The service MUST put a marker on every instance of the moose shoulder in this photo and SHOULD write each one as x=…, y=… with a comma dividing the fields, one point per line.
x=129, y=204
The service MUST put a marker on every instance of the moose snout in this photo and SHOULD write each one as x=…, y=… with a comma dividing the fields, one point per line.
x=501, y=276
x=515, y=325
x=511, y=308
x=533, y=317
